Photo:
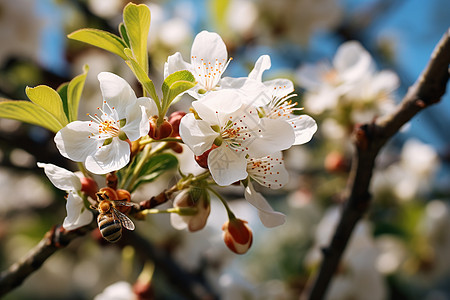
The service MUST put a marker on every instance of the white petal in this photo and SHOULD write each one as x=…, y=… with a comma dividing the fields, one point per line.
x=178, y=222
x=268, y=171
x=385, y=81
x=61, y=178
x=226, y=166
x=150, y=106
x=304, y=128
x=109, y=158
x=137, y=124
x=74, y=142
x=175, y=63
x=216, y=107
x=263, y=63
x=77, y=214
x=279, y=88
x=267, y=215
x=197, y=134
x=352, y=61
x=209, y=46
x=117, y=92
x=275, y=135
x=311, y=76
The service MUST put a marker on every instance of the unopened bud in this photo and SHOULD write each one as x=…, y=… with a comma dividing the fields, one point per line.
x=174, y=120
x=89, y=186
x=237, y=235
x=111, y=193
x=336, y=162
x=202, y=160
x=159, y=132
x=192, y=198
x=176, y=147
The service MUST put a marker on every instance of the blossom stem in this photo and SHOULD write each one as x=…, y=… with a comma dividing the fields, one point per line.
x=231, y=216
x=138, y=168
x=83, y=169
x=148, y=141
x=184, y=211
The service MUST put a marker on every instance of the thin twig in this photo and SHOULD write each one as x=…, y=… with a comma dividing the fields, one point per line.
x=57, y=238
x=369, y=139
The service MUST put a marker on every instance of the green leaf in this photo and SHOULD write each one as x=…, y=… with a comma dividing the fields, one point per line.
x=74, y=91
x=176, y=83
x=146, y=82
x=137, y=23
x=28, y=112
x=49, y=100
x=101, y=39
x=124, y=34
x=62, y=91
x=156, y=166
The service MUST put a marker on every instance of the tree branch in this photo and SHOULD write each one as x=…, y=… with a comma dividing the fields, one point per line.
x=369, y=139
x=56, y=238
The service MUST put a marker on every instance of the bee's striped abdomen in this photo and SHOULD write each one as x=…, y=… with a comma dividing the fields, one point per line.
x=110, y=227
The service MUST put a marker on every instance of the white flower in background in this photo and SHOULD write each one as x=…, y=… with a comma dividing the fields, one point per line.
x=120, y=290
x=236, y=131
x=102, y=142
x=77, y=214
x=412, y=175
x=106, y=8
x=242, y=16
x=270, y=172
x=21, y=27
x=358, y=277
x=273, y=99
x=209, y=59
x=351, y=80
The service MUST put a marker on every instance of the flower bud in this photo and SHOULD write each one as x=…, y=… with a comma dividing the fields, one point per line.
x=194, y=198
x=89, y=186
x=111, y=193
x=237, y=235
x=159, y=132
x=174, y=120
x=336, y=162
x=202, y=160
x=176, y=147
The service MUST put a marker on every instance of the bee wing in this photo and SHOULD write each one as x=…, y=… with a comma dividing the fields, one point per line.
x=123, y=203
x=126, y=222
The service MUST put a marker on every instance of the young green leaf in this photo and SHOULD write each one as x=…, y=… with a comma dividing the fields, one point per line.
x=62, y=91
x=99, y=38
x=156, y=166
x=28, y=112
x=74, y=91
x=176, y=83
x=146, y=82
x=124, y=34
x=49, y=100
x=136, y=19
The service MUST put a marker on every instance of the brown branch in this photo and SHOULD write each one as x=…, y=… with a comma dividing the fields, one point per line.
x=369, y=139
x=57, y=238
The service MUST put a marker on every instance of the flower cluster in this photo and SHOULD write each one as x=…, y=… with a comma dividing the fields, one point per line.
x=236, y=129
x=351, y=89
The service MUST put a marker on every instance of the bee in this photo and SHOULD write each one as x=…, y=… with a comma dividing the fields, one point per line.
x=110, y=220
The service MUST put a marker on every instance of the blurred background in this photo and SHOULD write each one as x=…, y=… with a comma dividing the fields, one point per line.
x=399, y=251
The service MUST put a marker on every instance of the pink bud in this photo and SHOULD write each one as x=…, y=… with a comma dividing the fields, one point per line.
x=89, y=186
x=174, y=120
x=237, y=235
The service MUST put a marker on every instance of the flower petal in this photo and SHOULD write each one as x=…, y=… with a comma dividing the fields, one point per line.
x=226, y=166
x=117, y=92
x=61, y=178
x=352, y=61
x=267, y=215
x=175, y=63
x=263, y=63
x=279, y=88
x=216, y=107
x=137, y=122
x=108, y=158
x=197, y=134
x=77, y=214
x=275, y=135
x=74, y=142
x=304, y=128
x=209, y=46
x=268, y=171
